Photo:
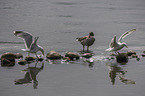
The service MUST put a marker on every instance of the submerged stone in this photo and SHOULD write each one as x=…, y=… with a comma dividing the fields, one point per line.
x=87, y=55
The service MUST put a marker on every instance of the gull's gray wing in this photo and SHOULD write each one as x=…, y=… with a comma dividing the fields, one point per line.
x=27, y=37
x=126, y=34
x=113, y=42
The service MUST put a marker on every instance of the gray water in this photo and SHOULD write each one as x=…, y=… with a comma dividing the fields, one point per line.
x=58, y=23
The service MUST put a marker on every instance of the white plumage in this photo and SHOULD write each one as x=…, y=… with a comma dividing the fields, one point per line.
x=30, y=44
x=117, y=45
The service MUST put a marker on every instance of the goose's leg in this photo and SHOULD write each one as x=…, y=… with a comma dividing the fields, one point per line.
x=87, y=48
x=83, y=48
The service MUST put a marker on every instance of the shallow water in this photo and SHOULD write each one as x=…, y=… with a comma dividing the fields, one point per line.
x=58, y=23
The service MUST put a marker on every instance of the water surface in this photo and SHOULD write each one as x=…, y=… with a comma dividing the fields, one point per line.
x=58, y=23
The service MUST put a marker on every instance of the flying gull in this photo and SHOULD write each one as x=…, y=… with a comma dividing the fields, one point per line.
x=30, y=44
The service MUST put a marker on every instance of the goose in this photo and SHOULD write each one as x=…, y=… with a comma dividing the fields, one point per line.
x=87, y=40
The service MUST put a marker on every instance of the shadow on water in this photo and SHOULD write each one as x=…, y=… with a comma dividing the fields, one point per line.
x=30, y=75
x=116, y=70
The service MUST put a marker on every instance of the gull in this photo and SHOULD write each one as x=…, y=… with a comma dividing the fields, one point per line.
x=115, y=46
x=30, y=44
x=87, y=41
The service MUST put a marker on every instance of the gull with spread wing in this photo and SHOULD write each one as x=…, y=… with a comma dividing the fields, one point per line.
x=115, y=46
x=30, y=44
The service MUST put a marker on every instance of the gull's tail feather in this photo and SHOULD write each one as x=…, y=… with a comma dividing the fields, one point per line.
x=109, y=49
x=26, y=50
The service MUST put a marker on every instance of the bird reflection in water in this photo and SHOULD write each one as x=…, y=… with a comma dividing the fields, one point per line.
x=88, y=62
x=116, y=70
x=30, y=76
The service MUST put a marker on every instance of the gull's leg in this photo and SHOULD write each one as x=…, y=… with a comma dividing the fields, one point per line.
x=37, y=56
x=28, y=54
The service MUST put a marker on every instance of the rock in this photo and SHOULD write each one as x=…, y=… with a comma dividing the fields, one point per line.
x=29, y=58
x=113, y=54
x=40, y=59
x=8, y=59
x=53, y=55
x=72, y=55
x=134, y=56
x=122, y=58
x=87, y=55
x=143, y=55
x=22, y=62
x=129, y=53
x=137, y=59
x=65, y=59
x=18, y=55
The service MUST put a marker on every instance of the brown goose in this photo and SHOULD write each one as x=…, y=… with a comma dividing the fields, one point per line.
x=87, y=41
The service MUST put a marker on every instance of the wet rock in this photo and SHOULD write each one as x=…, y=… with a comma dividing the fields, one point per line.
x=8, y=59
x=137, y=59
x=129, y=53
x=29, y=58
x=113, y=54
x=134, y=56
x=87, y=55
x=22, y=62
x=122, y=58
x=143, y=55
x=53, y=55
x=65, y=59
x=72, y=55
x=18, y=55
x=40, y=59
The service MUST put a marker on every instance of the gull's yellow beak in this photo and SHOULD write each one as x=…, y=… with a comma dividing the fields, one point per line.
x=126, y=46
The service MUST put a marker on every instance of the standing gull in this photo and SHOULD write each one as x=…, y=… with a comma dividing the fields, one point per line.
x=30, y=44
x=87, y=41
x=115, y=46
